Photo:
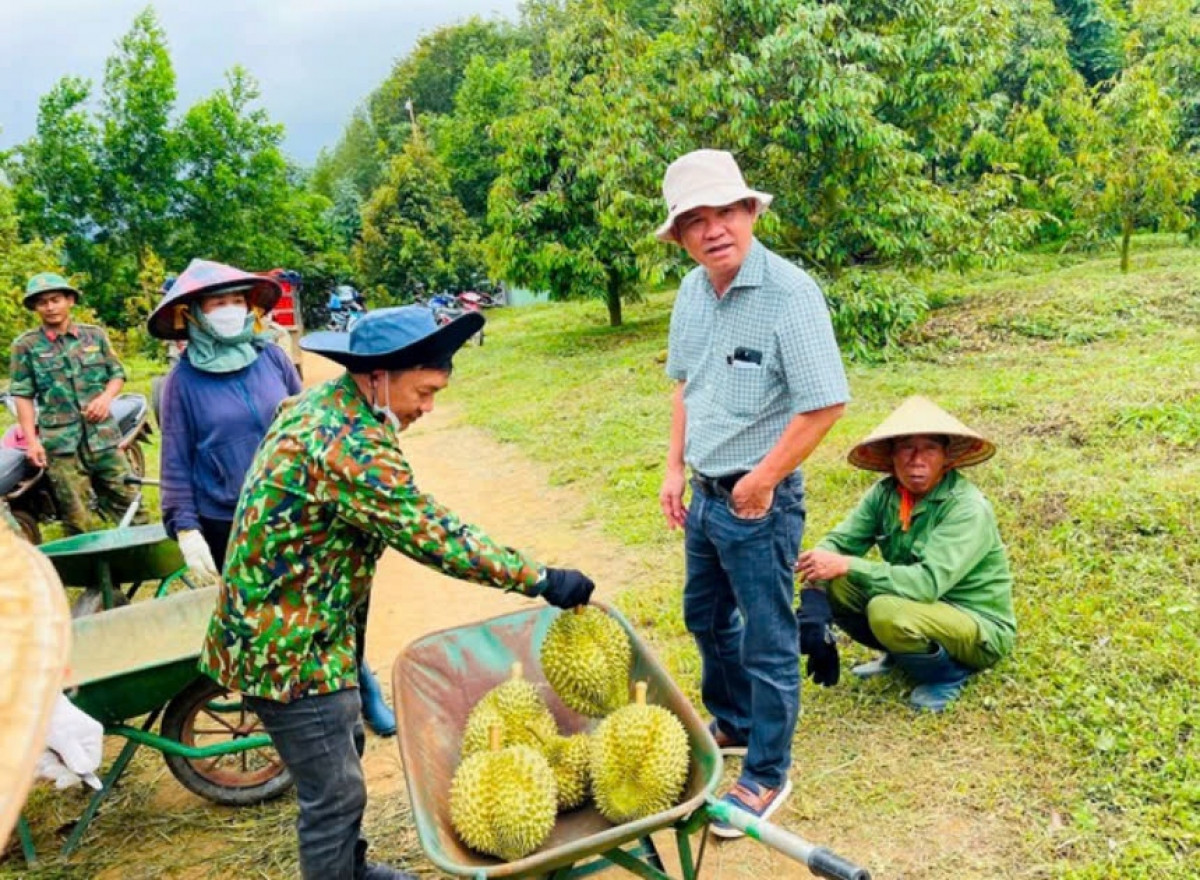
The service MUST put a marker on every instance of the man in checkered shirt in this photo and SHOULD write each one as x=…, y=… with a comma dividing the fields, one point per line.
x=760, y=382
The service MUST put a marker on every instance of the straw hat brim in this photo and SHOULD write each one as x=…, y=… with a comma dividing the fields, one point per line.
x=35, y=641
x=918, y=415
x=261, y=294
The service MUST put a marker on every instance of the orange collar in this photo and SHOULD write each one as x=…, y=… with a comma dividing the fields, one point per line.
x=906, y=508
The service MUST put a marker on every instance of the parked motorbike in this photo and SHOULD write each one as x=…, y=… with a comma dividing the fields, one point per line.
x=444, y=314
x=26, y=487
x=344, y=318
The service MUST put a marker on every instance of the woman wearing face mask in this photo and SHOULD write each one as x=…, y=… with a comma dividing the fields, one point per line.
x=217, y=402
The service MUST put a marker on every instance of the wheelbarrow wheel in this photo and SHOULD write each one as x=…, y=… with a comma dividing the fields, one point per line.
x=206, y=714
x=136, y=458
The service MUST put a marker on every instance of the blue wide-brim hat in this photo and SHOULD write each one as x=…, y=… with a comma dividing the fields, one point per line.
x=394, y=339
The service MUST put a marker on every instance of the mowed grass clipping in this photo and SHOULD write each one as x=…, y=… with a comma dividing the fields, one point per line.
x=1078, y=757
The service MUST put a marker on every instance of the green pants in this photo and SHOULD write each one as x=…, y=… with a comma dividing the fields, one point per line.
x=75, y=476
x=903, y=626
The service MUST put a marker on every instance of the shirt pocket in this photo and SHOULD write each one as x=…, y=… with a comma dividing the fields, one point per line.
x=745, y=389
x=93, y=367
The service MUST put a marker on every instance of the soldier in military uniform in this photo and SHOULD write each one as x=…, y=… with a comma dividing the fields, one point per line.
x=72, y=373
x=329, y=490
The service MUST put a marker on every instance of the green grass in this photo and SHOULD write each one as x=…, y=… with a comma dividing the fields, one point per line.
x=1078, y=757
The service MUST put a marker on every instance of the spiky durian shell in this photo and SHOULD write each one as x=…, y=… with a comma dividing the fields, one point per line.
x=570, y=759
x=639, y=762
x=587, y=657
x=519, y=711
x=504, y=802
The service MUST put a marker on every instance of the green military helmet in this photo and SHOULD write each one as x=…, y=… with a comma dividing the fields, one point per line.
x=47, y=282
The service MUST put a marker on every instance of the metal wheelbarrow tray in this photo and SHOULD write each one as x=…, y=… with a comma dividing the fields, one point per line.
x=107, y=559
x=436, y=681
x=439, y=678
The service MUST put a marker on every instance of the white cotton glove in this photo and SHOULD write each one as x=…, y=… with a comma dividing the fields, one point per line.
x=74, y=747
x=201, y=568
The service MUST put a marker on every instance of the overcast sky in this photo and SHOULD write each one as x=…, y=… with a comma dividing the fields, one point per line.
x=315, y=60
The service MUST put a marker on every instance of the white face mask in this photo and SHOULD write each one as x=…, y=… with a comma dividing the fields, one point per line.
x=385, y=409
x=227, y=321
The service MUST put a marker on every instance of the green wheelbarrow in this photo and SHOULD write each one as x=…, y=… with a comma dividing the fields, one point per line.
x=140, y=660
x=111, y=565
x=436, y=681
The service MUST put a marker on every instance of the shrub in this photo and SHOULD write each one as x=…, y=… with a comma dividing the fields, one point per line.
x=870, y=310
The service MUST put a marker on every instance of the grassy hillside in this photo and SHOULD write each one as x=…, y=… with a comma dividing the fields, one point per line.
x=1078, y=757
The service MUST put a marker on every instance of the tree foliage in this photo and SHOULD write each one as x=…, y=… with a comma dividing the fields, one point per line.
x=1136, y=173
x=416, y=237
x=233, y=190
x=19, y=260
x=1095, y=46
x=129, y=192
x=575, y=200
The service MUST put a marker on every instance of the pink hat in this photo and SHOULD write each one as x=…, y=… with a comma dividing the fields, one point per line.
x=704, y=179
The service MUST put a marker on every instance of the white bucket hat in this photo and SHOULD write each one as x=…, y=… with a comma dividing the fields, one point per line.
x=704, y=179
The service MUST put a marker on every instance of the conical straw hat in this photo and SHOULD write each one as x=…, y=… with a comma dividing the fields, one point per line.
x=919, y=415
x=35, y=641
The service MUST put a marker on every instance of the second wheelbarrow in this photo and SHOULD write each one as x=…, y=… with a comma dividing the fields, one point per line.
x=439, y=678
x=139, y=662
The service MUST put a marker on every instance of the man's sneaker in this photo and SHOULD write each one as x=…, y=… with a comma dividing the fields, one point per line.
x=881, y=665
x=760, y=802
x=727, y=745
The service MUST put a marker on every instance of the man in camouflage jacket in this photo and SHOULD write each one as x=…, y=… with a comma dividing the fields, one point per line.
x=73, y=375
x=328, y=492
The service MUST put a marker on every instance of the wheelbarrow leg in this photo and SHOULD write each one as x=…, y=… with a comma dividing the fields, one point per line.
x=27, y=848
x=634, y=865
x=110, y=780
x=651, y=853
x=106, y=584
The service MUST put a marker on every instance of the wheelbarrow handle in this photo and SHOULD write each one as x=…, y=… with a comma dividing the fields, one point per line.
x=821, y=861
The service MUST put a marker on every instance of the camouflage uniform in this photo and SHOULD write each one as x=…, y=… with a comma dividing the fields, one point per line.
x=328, y=491
x=63, y=372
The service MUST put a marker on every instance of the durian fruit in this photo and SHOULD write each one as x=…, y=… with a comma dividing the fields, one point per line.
x=587, y=658
x=517, y=709
x=503, y=801
x=570, y=759
x=639, y=760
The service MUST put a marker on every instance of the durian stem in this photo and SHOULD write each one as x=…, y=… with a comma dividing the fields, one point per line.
x=494, y=738
x=578, y=609
x=639, y=693
x=518, y=671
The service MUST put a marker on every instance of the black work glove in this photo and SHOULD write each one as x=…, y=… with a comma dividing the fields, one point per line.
x=567, y=587
x=817, y=641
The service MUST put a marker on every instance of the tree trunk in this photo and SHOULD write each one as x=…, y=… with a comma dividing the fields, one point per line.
x=1126, y=235
x=612, y=298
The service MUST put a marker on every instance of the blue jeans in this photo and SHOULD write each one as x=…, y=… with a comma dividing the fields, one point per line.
x=737, y=602
x=320, y=739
